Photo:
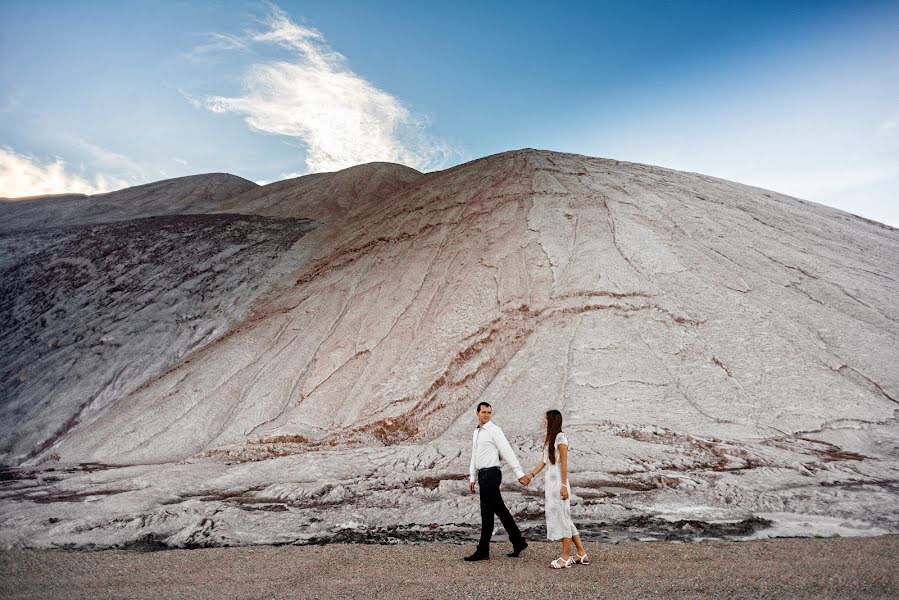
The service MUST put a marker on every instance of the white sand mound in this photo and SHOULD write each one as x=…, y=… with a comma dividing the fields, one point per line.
x=718, y=351
x=620, y=293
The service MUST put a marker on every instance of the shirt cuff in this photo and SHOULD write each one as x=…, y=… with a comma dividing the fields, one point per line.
x=519, y=472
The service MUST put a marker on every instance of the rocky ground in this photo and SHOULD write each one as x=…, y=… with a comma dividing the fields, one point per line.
x=786, y=568
x=414, y=493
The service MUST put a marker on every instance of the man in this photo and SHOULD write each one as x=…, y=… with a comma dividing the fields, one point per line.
x=487, y=445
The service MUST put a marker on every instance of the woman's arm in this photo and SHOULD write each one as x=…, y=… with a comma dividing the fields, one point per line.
x=534, y=472
x=563, y=461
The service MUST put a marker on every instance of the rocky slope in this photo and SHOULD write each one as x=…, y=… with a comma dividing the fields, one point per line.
x=89, y=312
x=100, y=293
x=719, y=352
x=622, y=293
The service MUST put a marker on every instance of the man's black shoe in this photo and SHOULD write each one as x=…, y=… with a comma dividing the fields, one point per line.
x=516, y=550
x=477, y=556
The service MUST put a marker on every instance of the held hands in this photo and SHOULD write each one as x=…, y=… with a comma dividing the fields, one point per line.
x=471, y=486
x=525, y=480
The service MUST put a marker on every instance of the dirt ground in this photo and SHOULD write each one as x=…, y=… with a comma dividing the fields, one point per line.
x=787, y=568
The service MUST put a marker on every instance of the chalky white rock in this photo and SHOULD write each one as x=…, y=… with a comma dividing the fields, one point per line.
x=721, y=353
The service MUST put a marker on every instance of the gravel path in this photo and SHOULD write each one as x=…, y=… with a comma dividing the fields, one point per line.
x=789, y=568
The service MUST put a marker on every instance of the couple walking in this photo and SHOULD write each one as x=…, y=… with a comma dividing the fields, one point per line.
x=487, y=445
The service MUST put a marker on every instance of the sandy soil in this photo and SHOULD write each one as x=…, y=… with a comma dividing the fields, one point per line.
x=784, y=568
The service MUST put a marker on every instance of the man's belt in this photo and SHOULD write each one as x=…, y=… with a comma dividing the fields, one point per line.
x=487, y=469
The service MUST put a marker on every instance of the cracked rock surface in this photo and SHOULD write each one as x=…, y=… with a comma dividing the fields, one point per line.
x=91, y=312
x=720, y=353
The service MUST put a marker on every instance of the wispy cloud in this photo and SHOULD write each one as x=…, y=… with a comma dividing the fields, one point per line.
x=116, y=166
x=340, y=118
x=216, y=42
x=23, y=175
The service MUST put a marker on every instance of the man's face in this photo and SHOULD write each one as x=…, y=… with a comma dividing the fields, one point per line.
x=484, y=414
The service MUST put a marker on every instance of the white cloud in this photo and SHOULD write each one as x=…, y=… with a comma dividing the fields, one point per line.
x=194, y=101
x=22, y=175
x=116, y=166
x=180, y=160
x=341, y=119
x=216, y=42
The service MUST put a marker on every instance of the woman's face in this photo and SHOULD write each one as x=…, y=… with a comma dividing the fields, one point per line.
x=545, y=422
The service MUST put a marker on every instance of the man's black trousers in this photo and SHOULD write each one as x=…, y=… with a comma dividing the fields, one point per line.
x=492, y=503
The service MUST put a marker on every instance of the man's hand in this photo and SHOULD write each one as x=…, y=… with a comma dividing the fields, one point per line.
x=525, y=480
x=471, y=486
x=564, y=493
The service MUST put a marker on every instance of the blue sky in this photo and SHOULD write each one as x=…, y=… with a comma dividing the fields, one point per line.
x=799, y=97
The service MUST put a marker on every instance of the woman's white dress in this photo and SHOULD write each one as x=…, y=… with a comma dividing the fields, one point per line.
x=558, y=511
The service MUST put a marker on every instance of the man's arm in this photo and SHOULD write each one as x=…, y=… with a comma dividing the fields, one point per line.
x=471, y=471
x=505, y=450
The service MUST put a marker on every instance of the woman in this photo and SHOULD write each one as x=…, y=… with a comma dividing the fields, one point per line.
x=558, y=507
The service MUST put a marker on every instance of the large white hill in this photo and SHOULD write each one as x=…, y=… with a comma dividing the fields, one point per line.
x=718, y=351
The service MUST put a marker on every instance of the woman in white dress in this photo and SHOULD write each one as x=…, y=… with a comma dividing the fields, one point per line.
x=558, y=506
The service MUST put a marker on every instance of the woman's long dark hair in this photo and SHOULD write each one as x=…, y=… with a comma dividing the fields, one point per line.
x=553, y=427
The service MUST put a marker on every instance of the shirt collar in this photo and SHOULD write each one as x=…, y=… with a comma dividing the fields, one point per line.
x=487, y=426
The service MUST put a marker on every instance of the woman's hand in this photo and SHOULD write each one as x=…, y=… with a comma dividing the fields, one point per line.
x=564, y=493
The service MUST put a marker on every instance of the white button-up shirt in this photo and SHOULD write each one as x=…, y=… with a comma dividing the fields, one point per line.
x=487, y=444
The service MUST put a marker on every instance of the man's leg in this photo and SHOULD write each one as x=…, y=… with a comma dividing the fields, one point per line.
x=489, y=491
x=506, y=519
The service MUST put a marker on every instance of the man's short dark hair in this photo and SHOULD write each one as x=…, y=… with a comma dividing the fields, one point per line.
x=487, y=404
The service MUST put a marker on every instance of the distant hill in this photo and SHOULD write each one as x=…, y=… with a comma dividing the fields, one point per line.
x=182, y=195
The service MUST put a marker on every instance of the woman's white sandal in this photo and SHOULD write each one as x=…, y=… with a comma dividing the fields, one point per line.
x=559, y=563
x=582, y=559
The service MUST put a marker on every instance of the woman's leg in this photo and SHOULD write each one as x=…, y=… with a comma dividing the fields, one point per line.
x=566, y=548
x=577, y=544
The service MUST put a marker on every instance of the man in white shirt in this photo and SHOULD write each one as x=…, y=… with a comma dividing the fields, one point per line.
x=488, y=443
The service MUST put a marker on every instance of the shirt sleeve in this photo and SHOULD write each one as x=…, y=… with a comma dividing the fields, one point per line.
x=505, y=450
x=474, y=448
